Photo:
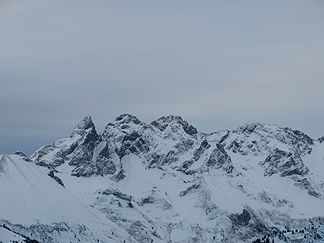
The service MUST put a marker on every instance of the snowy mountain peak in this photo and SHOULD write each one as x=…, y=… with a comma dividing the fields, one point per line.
x=167, y=182
x=124, y=124
x=127, y=118
x=250, y=127
x=19, y=153
x=85, y=123
x=172, y=121
x=258, y=138
x=258, y=128
x=22, y=156
x=272, y=129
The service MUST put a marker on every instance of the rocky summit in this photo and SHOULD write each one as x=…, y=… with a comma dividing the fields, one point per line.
x=166, y=182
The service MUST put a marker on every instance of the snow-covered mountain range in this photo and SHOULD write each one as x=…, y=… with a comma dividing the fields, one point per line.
x=166, y=182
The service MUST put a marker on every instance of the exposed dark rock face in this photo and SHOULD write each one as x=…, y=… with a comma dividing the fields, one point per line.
x=305, y=184
x=154, y=160
x=187, y=164
x=255, y=138
x=169, y=158
x=147, y=200
x=321, y=139
x=127, y=118
x=184, y=145
x=105, y=164
x=163, y=122
x=168, y=140
x=161, y=174
x=118, y=194
x=119, y=176
x=23, y=156
x=133, y=143
x=284, y=163
x=220, y=159
x=299, y=139
x=57, y=179
x=202, y=148
x=189, y=189
x=77, y=152
x=242, y=219
x=83, y=152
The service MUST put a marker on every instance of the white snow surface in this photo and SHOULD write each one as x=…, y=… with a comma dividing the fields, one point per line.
x=162, y=202
x=30, y=196
x=8, y=236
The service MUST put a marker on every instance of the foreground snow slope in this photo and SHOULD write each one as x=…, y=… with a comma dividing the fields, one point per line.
x=166, y=182
x=33, y=203
x=8, y=236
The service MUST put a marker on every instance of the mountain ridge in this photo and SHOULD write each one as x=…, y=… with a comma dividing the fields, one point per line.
x=167, y=182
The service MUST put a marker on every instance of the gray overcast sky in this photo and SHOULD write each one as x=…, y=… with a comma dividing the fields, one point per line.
x=218, y=64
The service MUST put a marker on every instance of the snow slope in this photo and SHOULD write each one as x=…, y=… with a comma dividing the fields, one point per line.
x=34, y=200
x=165, y=182
x=8, y=236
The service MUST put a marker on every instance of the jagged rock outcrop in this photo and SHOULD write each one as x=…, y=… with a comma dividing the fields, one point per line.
x=77, y=150
x=56, y=178
x=256, y=139
x=321, y=139
x=165, y=181
x=284, y=163
x=164, y=142
x=220, y=159
x=173, y=123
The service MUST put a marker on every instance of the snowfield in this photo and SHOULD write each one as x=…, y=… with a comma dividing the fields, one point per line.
x=165, y=182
